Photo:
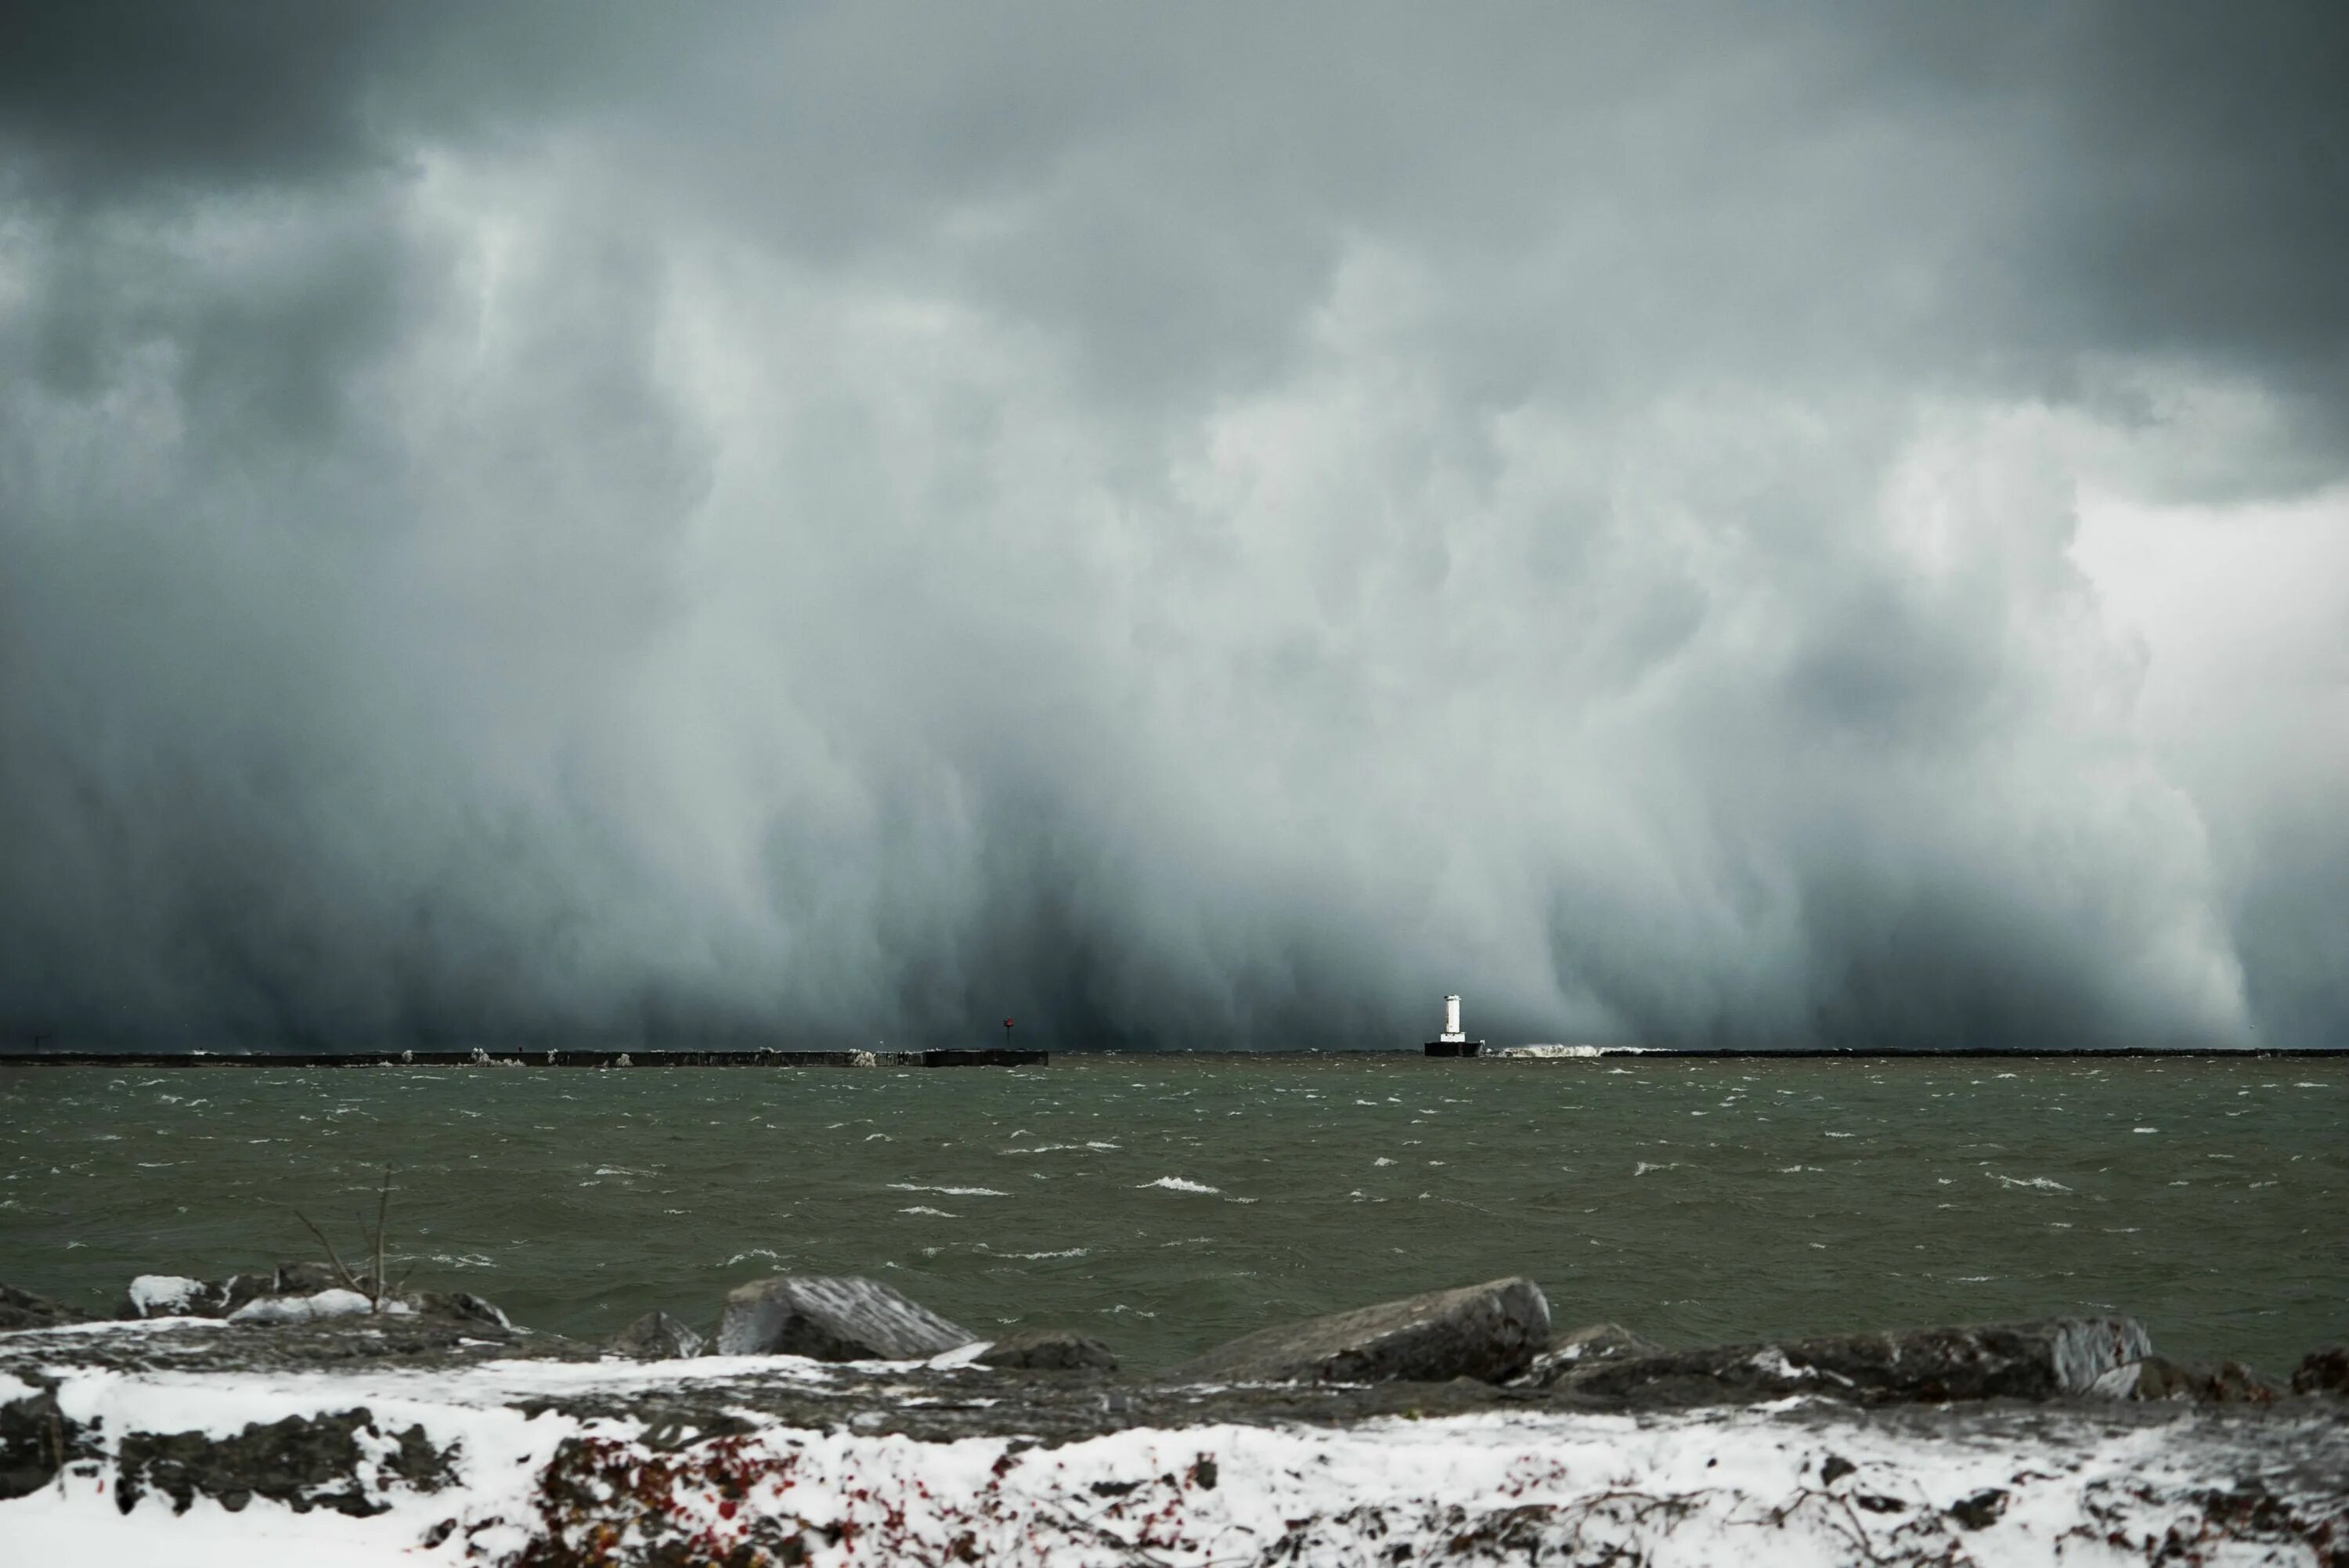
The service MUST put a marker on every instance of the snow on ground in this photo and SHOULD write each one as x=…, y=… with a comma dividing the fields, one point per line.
x=1776, y=1485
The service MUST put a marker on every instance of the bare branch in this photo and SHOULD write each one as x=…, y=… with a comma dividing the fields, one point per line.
x=382, y=1209
x=332, y=1256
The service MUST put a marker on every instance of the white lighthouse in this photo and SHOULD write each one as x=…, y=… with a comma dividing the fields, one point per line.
x=1453, y=1041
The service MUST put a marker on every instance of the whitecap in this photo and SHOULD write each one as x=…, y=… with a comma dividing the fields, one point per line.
x=1642, y=1168
x=1382, y=1160
x=768, y=1254
x=2040, y=1183
x=925, y=1208
x=1176, y=1185
x=950, y=1191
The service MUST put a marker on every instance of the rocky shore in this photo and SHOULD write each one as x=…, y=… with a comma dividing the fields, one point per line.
x=300, y=1410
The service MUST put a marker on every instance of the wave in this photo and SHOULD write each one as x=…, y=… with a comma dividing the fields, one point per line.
x=1176, y=1185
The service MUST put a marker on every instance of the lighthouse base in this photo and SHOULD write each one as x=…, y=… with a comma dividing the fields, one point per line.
x=1454, y=1047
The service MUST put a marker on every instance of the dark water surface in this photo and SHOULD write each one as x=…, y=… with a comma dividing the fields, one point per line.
x=1167, y=1203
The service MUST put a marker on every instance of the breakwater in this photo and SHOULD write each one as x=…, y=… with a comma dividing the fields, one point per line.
x=986, y=1057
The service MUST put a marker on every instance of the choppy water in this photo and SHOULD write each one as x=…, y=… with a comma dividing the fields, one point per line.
x=1169, y=1202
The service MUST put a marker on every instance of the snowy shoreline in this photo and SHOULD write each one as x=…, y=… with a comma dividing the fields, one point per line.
x=541, y=1461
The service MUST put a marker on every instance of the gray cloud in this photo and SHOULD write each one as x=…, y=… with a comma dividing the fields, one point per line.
x=1198, y=527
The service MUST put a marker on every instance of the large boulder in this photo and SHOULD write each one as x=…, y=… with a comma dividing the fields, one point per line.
x=657, y=1336
x=843, y=1319
x=2323, y=1371
x=1048, y=1350
x=178, y=1295
x=462, y=1305
x=1488, y=1332
x=2036, y=1360
x=321, y=1308
x=23, y=1309
x=1583, y=1347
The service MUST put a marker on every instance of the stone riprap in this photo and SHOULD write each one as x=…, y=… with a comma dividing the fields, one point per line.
x=2160, y=1377
x=842, y=1319
x=1582, y=1346
x=657, y=1336
x=452, y=1435
x=2324, y=1370
x=1488, y=1332
x=23, y=1309
x=2039, y=1360
x=1048, y=1350
x=406, y=1442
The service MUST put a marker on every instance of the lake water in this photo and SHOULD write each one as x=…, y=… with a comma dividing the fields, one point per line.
x=1168, y=1203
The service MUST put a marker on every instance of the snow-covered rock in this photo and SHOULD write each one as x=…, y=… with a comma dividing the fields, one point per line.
x=337, y=1303
x=1488, y=1331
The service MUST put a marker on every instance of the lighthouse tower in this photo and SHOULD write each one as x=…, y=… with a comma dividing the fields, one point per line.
x=1452, y=1041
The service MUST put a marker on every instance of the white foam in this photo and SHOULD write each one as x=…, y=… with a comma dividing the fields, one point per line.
x=950, y=1191
x=1176, y=1185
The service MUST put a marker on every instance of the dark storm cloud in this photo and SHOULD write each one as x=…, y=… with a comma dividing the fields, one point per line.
x=112, y=94
x=1190, y=527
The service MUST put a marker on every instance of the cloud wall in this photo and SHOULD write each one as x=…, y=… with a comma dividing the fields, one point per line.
x=820, y=526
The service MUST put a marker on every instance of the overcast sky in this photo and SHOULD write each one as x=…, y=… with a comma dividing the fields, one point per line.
x=1192, y=526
